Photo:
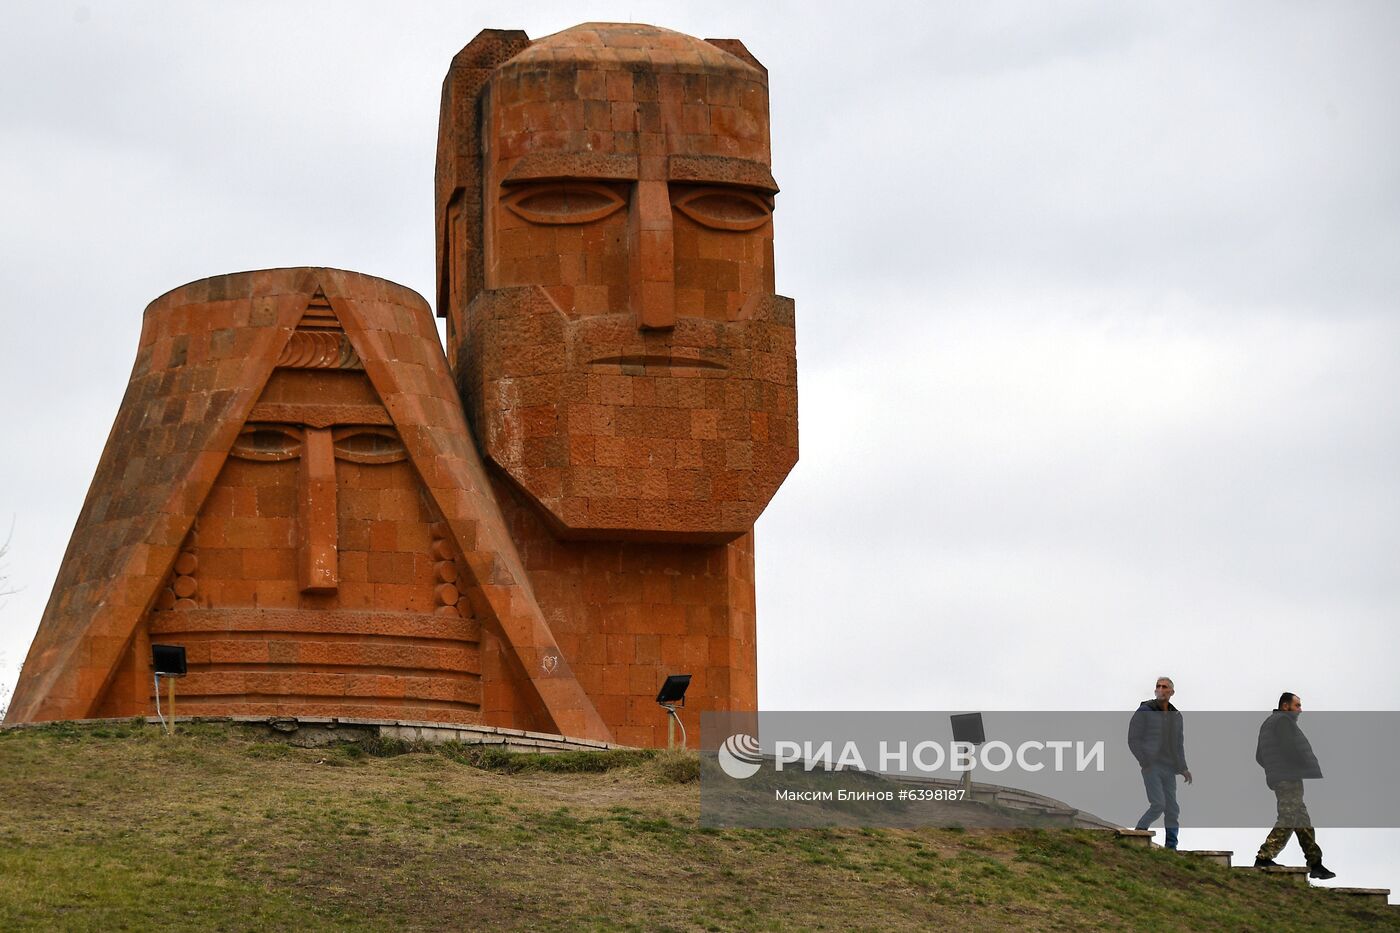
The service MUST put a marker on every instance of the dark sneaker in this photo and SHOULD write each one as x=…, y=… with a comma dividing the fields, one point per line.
x=1320, y=872
x=1264, y=862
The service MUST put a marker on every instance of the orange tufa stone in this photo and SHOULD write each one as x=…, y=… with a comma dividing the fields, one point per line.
x=291, y=489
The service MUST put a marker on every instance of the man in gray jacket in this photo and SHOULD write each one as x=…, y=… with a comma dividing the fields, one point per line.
x=1287, y=759
x=1157, y=739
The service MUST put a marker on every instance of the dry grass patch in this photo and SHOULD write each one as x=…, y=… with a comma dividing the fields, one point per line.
x=218, y=828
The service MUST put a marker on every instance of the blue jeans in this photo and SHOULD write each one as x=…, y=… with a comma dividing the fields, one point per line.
x=1160, y=781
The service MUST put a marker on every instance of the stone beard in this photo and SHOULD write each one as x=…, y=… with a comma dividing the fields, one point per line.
x=605, y=210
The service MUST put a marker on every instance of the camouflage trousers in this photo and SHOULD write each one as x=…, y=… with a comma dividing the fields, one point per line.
x=1292, y=819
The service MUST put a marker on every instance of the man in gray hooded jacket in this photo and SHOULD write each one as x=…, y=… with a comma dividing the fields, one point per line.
x=1157, y=739
x=1287, y=759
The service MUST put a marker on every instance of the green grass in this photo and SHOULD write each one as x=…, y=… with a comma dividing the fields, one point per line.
x=119, y=827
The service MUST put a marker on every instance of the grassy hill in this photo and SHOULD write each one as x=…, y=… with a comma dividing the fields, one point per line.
x=119, y=827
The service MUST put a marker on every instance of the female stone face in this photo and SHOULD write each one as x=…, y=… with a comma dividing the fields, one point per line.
x=627, y=360
x=317, y=576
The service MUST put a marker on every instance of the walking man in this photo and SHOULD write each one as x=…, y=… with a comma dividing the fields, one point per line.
x=1157, y=739
x=1287, y=759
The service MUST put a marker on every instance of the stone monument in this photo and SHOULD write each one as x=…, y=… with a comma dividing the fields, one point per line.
x=532, y=531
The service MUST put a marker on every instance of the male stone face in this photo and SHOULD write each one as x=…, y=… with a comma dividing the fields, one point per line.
x=639, y=192
x=629, y=364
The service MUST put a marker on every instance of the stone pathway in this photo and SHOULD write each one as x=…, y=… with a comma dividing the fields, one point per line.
x=1295, y=874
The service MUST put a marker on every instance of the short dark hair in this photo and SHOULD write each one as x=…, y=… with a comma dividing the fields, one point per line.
x=1285, y=699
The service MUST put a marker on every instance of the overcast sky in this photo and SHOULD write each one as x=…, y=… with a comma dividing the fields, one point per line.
x=1097, y=312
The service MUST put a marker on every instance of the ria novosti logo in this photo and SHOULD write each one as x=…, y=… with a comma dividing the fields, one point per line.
x=740, y=756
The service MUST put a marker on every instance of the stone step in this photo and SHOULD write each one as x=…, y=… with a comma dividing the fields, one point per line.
x=1370, y=895
x=1298, y=874
x=1137, y=837
x=1215, y=856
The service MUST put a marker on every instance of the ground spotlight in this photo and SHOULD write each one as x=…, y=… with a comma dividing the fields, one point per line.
x=967, y=727
x=168, y=661
x=671, y=695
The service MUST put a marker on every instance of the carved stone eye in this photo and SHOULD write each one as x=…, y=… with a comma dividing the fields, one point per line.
x=267, y=442
x=368, y=445
x=725, y=209
x=564, y=203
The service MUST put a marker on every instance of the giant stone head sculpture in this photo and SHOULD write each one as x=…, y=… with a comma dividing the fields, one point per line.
x=605, y=229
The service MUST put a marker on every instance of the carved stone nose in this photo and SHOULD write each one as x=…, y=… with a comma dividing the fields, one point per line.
x=318, y=550
x=653, y=262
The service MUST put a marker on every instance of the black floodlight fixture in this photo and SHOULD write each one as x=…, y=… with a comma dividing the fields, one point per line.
x=671, y=695
x=673, y=690
x=967, y=727
x=168, y=660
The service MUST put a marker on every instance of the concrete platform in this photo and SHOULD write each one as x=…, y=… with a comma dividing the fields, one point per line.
x=1047, y=809
x=316, y=731
x=1215, y=856
x=1137, y=837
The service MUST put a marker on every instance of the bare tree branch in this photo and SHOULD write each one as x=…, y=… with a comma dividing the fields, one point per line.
x=5, y=589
